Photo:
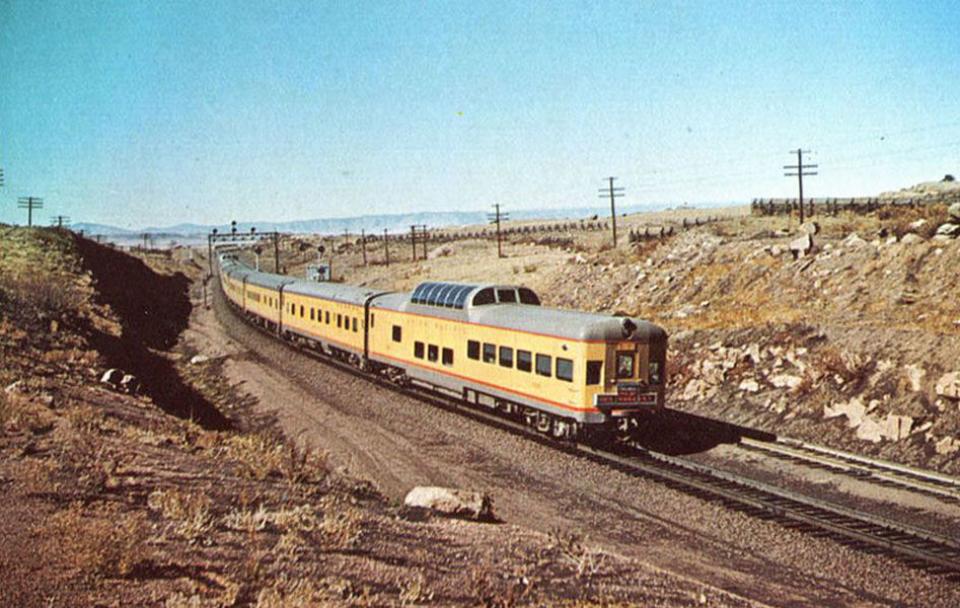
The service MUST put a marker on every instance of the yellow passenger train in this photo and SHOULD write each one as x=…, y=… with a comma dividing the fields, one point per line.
x=491, y=345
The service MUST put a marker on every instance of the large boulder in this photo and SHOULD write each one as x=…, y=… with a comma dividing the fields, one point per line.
x=810, y=228
x=854, y=241
x=911, y=239
x=949, y=385
x=113, y=377
x=449, y=501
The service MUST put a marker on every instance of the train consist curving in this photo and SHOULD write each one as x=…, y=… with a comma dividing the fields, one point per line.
x=563, y=372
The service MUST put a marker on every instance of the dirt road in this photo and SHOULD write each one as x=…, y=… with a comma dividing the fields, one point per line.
x=398, y=442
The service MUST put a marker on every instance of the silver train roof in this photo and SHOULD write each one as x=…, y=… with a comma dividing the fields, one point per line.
x=571, y=324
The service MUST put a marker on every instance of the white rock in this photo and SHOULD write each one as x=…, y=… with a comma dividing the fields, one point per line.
x=440, y=252
x=947, y=446
x=915, y=375
x=896, y=427
x=785, y=381
x=749, y=386
x=911, y=239
x=854, y=241
x=949, y=230
x=949, y=385
x=917, y=225
x=198, y=359
x=112, y=376
x=802, y=246
x=891, y=241
x=810, y=228
x=870, y=430
x=449, y=501
x=954, y=211
x=854, y=410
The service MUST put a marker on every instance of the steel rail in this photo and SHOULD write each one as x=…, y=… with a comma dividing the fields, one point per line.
x=893, y=537
x=930, y=482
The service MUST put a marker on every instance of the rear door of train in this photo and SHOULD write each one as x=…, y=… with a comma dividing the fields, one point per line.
x=633, y=379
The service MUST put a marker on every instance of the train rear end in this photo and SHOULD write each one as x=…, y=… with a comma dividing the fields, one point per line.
x=634, y=373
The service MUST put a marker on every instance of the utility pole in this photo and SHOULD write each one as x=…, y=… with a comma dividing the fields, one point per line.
x=60, y=221
x=800, y=170
x=363, y=245
x=614, y=193
x=386, y=247
x=426, y=236
x=30, y=203
x=495, y=218
x=276, y=252
x=145, y=237
x=413, y=240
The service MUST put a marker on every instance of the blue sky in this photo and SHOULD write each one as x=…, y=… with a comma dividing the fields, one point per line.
x=139, y=113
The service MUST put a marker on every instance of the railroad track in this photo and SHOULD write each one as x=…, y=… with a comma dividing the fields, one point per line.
x=914, y=545
x=932, y=483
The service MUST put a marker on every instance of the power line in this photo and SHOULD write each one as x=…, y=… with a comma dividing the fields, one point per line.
x=801, y=170
x=30, y=203
x=614, y=193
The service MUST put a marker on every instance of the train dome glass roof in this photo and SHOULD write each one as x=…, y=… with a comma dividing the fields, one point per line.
x=447, y=295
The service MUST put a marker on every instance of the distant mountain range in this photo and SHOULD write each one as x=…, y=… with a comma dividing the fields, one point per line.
x=399, y=222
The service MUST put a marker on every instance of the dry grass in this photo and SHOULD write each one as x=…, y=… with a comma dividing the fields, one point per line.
x=110, y=545
x=572, y=548
x=190, y=513
x=262, y=456
x=342, y=529
x=897, y=220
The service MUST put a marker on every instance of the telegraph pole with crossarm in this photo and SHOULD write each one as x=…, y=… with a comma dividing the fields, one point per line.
x=495, y=218
x=800, y=170
x=30, y=203
x=613, y=192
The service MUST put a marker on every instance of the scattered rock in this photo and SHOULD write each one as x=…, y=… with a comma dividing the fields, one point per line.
x=954, y=211
x=449, y=501
x=947, y=446
x=801, y=246
x=112, y=377
x=854, y=241
x=130, y=384
x=870, y=430
x=198, y=359
x=896, y=427
x=810, y=228
x=949, y=230
x=949, y=385
x=911, y=239
x=854, y=410
x=440, y=252
x=917, y=225
x=915, y=375
x=749, y=386
x=785, y=381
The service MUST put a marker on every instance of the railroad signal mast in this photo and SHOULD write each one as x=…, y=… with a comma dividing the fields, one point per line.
x=799, y=171
x=30, y=203
x=613, y=193
x=495, y=218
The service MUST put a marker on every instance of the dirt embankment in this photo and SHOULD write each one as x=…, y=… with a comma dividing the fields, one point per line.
x=179, y=496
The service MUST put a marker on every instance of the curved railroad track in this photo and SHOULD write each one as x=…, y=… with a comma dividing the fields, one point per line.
x=917, y=547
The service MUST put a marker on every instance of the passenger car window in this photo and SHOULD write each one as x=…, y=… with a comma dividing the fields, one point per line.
x=624, y=365
x=418, y=350
x=524, y=360
x=544, y=365
x=473, y=350
x=397, y=333
x=489, y=353
x=506, y=356
x=432, y=352
x=593, y=372
x=564, y=369
x=354, y=324
x=447, y=356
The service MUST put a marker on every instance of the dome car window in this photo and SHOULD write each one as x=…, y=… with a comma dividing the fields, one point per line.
x=484, y=296
x=528, y=297
x=506, y=296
